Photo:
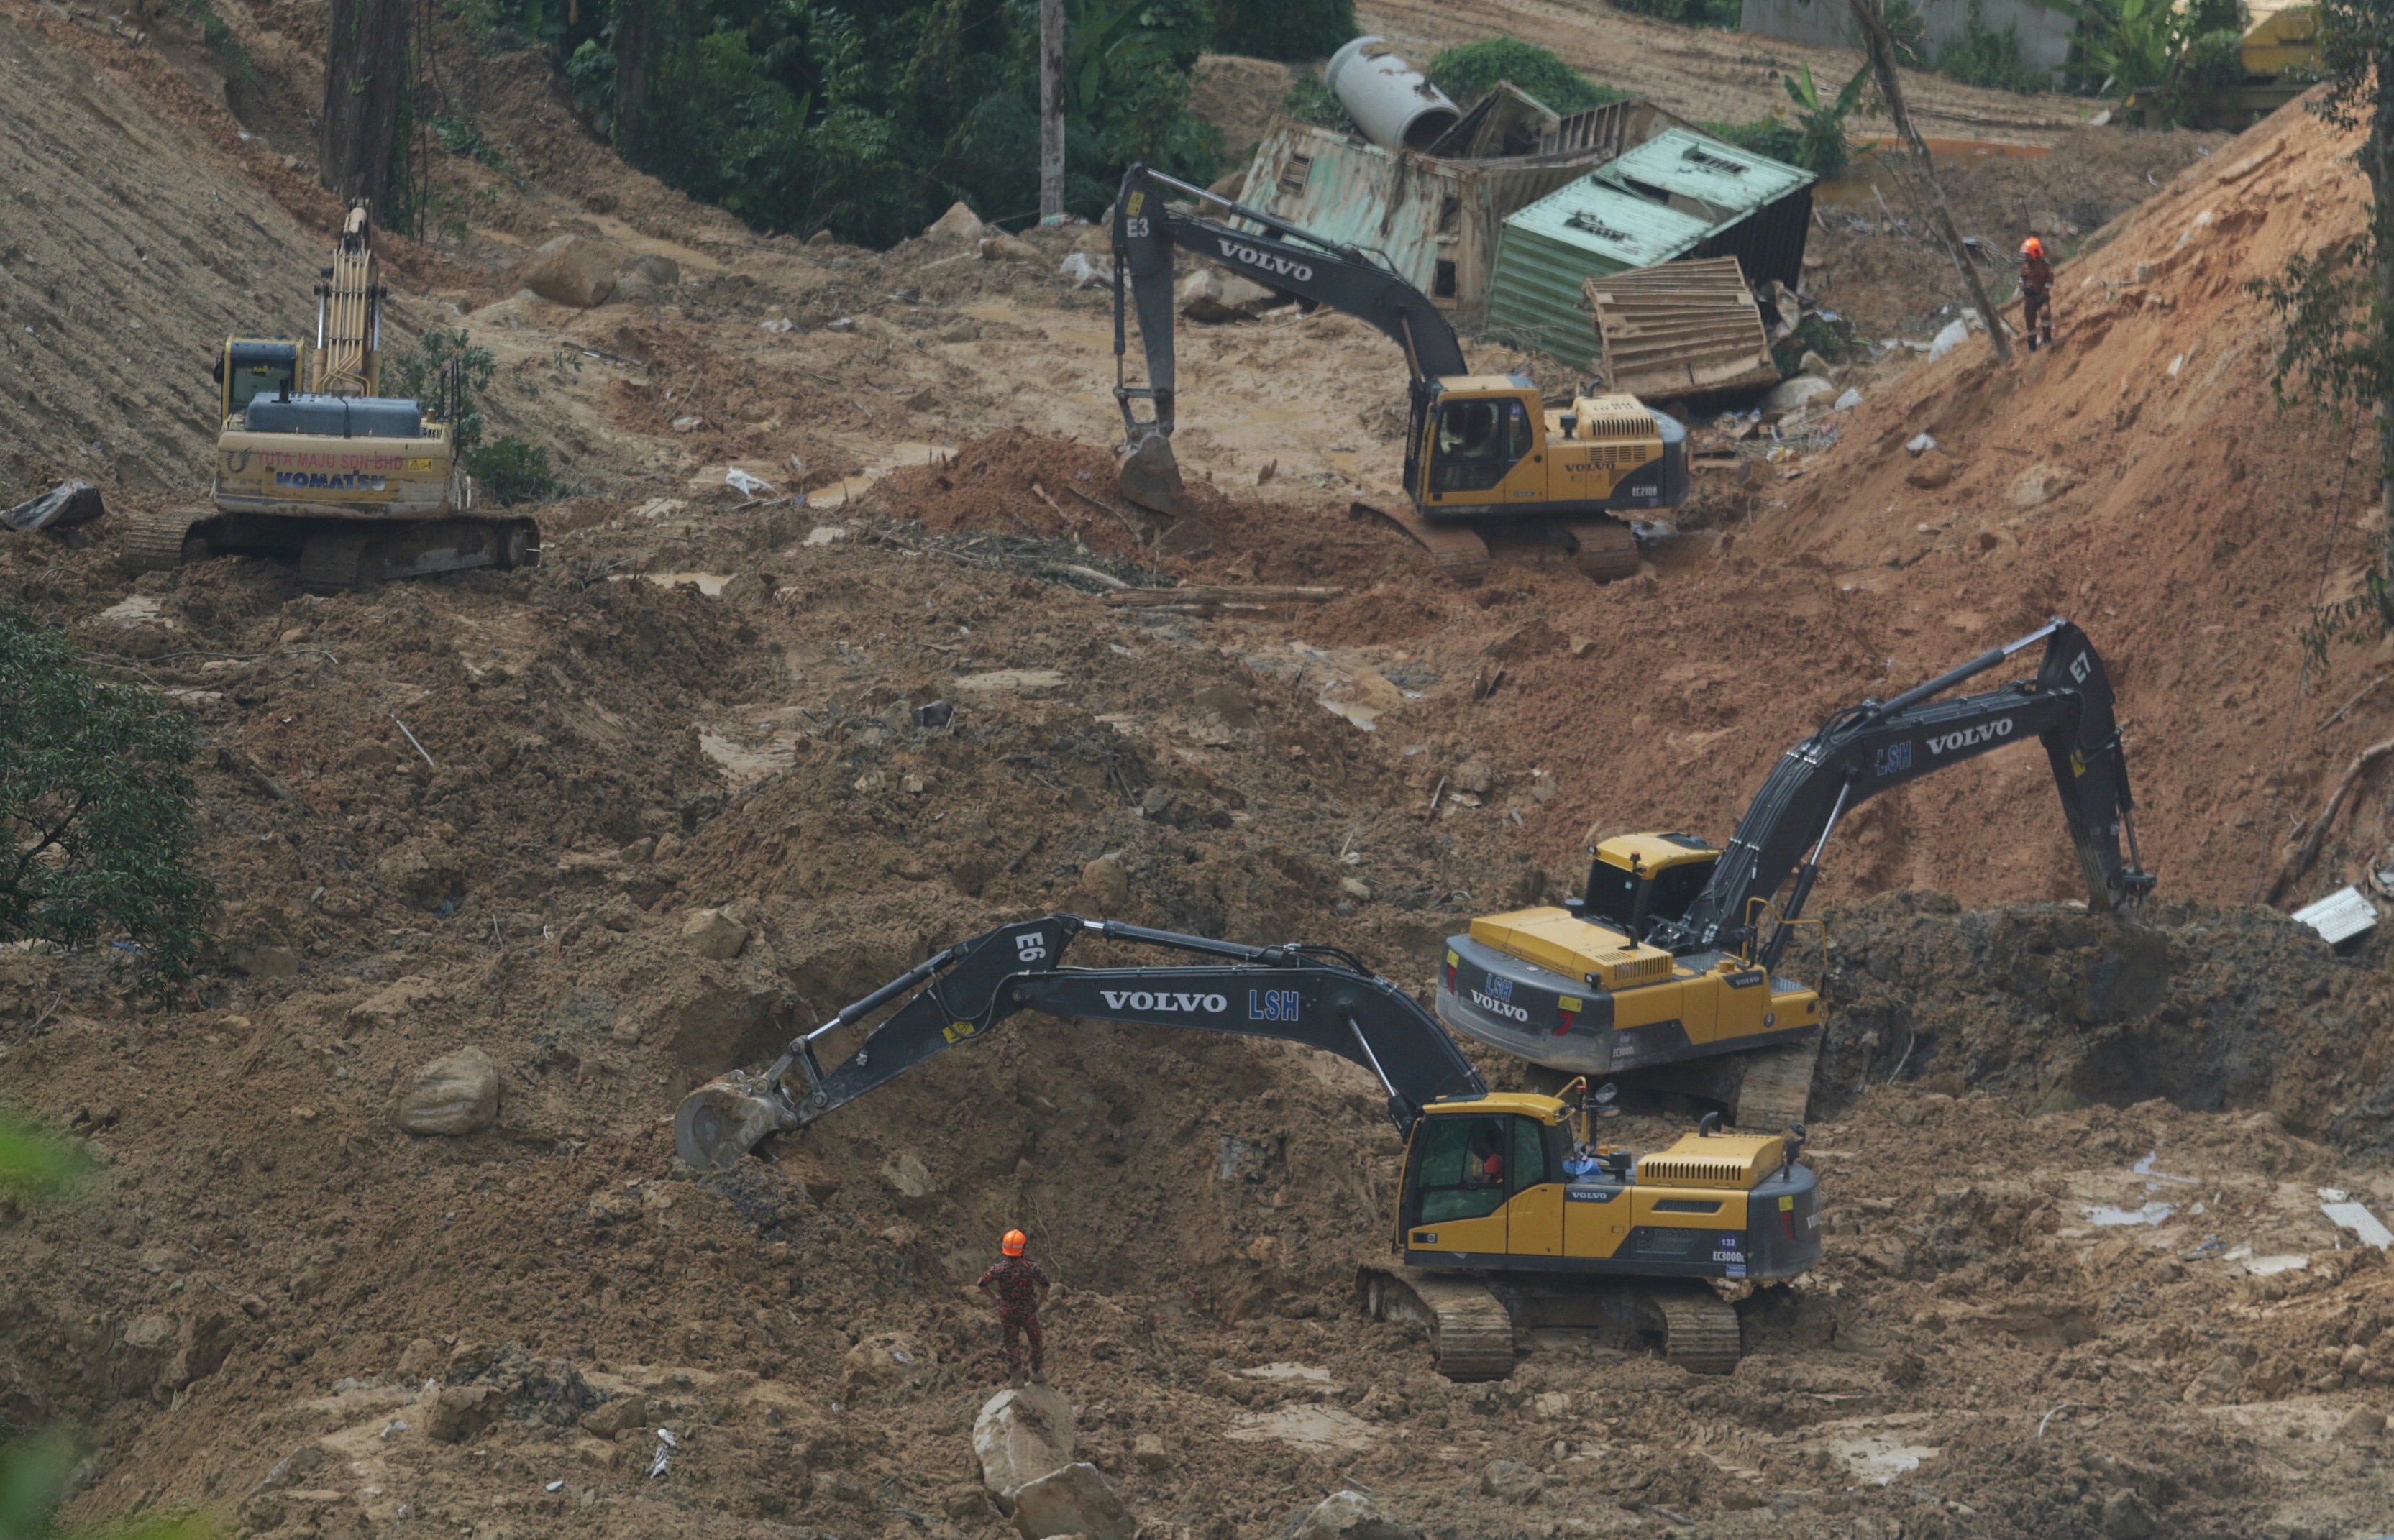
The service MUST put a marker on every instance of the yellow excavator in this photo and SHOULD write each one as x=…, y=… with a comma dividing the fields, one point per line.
x=313, y=461
x=1669, y=957
x=1483, y=453
x=1510, y=1211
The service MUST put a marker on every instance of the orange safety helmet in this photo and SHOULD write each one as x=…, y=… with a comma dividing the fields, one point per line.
x=2031, y=248
x=1014, y=1242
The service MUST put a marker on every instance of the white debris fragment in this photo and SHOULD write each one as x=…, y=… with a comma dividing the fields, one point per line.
x=1944, y=342
x=1847, y=403
x=2356, y=1218
x=751, y=486
x=780, y=325
x=1085, y=273
x=1920, y=444
x=2339, y=917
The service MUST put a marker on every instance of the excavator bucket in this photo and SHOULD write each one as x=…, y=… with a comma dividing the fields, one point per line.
x=724, y=1120
x=1148, y=475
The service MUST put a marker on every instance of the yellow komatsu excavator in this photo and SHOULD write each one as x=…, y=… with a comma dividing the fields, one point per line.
x=313, y=461
x=1670, y=957
x=1509, y=1212
x=1484, y=454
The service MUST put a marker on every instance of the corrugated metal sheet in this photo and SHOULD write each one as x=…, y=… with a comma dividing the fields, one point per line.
x=1682, y=329
x=1436, y=220
x=1680, y=194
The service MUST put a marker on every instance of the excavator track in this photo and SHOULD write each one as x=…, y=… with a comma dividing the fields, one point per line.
x=1776, y=1087
x=1700, y=1329
x=1603, y=549
x=330, y=564
x=162, y=542
x=1457, y=551
x=1470, y=1329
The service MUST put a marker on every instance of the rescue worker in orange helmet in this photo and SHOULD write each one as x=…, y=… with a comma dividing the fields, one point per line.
x=1019, y=1286
x=2036, y=293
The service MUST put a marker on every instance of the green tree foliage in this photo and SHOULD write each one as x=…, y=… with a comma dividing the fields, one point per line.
x=1471, y=71
x=447, y=373
x=510, y=471
x=1982, y=55
x=2338, y=302
x=871, y=119
x=1290, y=30
x=97, y=809
x=1821, y=122
x=1690, y=13
x=1773, y=136
x=1309, y=101
x=2174, y=61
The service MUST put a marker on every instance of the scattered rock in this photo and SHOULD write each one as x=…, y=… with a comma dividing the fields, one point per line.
x=959, y=223
x=573, y=270
x=1356, y=888
x=1476, y=776
x=460, y=1412
x=907, y=1175
x=1020, y=1435
x=1105, y=883
x=1148, y=1452
x=1074, y=1500
x=1789, y=394
x=714, y=934
x=2041, y=484
x=1846, y=401
x=884, y=1358
x=301, y=1462
x=1930, y=474
x=2360, y=1423
x=263, y=959
x=421, y=1360
x=643, y=277
x=457, y=1093
x=630, y=1411
x=1211, y=295
x=1511, y=1481
x=1351, y=1516
x=1003, y=247
x=1813, y=363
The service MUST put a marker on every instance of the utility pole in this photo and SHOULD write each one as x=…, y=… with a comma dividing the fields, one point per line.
x=1051, y=109
x=1880, y=44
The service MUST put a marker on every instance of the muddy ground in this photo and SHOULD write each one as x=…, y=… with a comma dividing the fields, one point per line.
x=2078, y=1280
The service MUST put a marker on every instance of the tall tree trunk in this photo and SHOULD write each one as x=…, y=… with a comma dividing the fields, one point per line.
x=365, y=67
x=1051, y=108
x=635, y=42
x=1880, y=44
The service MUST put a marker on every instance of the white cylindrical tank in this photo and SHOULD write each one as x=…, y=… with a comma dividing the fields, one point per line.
x=1389, y=99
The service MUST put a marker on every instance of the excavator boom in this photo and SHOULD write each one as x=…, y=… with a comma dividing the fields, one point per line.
x=1317, y=997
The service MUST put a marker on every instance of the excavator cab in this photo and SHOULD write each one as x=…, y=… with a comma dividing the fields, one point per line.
x=1634, y=880
x=251, y=366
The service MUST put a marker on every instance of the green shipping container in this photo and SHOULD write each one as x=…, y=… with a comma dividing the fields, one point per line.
x=1680, y=194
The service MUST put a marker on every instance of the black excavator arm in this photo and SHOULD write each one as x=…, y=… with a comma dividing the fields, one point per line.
x=1874, y=747
x=1316, y=996
x=1295, y=262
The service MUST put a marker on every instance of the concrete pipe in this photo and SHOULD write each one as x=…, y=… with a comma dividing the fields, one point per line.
x=1391, y=100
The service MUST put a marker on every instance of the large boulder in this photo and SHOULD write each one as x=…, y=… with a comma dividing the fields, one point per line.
x=457, y=1093
x=1074, y=1500
x=573, y=270
x=1211, y=295
x=644, y=277
x=959, y=223
x=714, y=934
x=1789, y=394
x=1022, y=1434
